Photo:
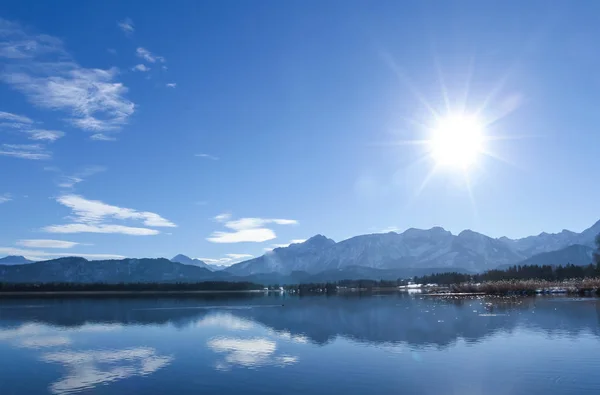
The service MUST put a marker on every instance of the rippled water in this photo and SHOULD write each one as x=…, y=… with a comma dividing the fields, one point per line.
x=259, y=344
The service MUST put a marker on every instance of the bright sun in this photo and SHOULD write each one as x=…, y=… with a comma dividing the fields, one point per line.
x=457, y=141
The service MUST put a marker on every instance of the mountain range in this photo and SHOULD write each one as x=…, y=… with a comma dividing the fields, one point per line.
x=417, y=248
x=378, y=256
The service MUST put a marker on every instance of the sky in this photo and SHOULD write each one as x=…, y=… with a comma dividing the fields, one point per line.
x=223, y=129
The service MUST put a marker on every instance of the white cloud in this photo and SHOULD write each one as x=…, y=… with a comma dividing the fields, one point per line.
x=248, y=235
x=25, y=151
x=222, y=217
x=90, y=216
x=6, y=197
x=126, y=25
x=91, y=368
x=247, y=229
x=171, y=85
x=227, y=260
x=46, y=243
x=71, y=181
x=37, y=255
x=39, y=67
x=85, y=228
x=207, y=156
x=48, y=135
x=141, y=67
x=148, y=56
x=26, y=125
x=102, y=137
x=15, y=118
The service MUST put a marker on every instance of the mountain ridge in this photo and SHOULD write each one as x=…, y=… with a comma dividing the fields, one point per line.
x=413, y=248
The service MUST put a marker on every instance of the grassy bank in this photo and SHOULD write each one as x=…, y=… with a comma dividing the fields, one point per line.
x=585, y=286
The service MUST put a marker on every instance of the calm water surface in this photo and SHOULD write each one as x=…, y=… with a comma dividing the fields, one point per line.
x=394, y=344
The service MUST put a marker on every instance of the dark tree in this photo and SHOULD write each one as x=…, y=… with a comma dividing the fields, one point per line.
x=597, y=253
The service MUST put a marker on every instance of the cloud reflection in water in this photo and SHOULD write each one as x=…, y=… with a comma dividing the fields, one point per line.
x=248, y=353
x=89, y=368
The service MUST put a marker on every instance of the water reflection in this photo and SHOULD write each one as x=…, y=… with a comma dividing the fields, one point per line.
x=84, y=344
x=87, y=369
x=249, y=353
x=416, y=321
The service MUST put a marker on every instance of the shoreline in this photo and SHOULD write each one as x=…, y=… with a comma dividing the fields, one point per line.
x=125, y=293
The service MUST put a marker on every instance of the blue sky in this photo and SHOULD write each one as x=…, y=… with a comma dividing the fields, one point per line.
x=221, y=129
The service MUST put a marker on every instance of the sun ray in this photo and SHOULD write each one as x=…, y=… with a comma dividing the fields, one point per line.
x=465, y=98
x=403, y=79
x=470, y=192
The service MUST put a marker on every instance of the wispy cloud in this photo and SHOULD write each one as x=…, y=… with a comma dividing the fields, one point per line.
x=27, y=125
x=126, y=25
x=171, y=85
x=86, y=228
x=222, y=217
x=72, y=180
x=141, y=67
x=7, y=116
x=46, y=135
x=46, y=243
x=38, y=255
x=25, y=151
x=148, y=56
x=38, y=66
x=247, y=229
x=91, y=216
x=207, y=156
x=5, y=198
x=102, y=137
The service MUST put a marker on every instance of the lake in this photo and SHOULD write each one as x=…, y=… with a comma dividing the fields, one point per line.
x=276, y=343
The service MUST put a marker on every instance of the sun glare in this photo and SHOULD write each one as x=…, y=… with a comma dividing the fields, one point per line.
x=457, y=141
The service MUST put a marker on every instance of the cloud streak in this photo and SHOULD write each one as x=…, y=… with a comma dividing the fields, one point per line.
x=6, y=197
x=38, y=255
x=247, y=229
x=94, y=216
x=207, y=156
x=26, y=125
x=126, y=25
x=46, y=243
x=25, y=151
x=148, y=56
x=72, y=180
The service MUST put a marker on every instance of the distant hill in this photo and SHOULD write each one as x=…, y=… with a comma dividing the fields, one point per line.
x=577, y=254
x=108, y=271
x=14, y=260
x=186, y=260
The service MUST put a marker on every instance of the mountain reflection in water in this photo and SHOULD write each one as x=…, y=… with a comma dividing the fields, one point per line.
x=259, y=343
